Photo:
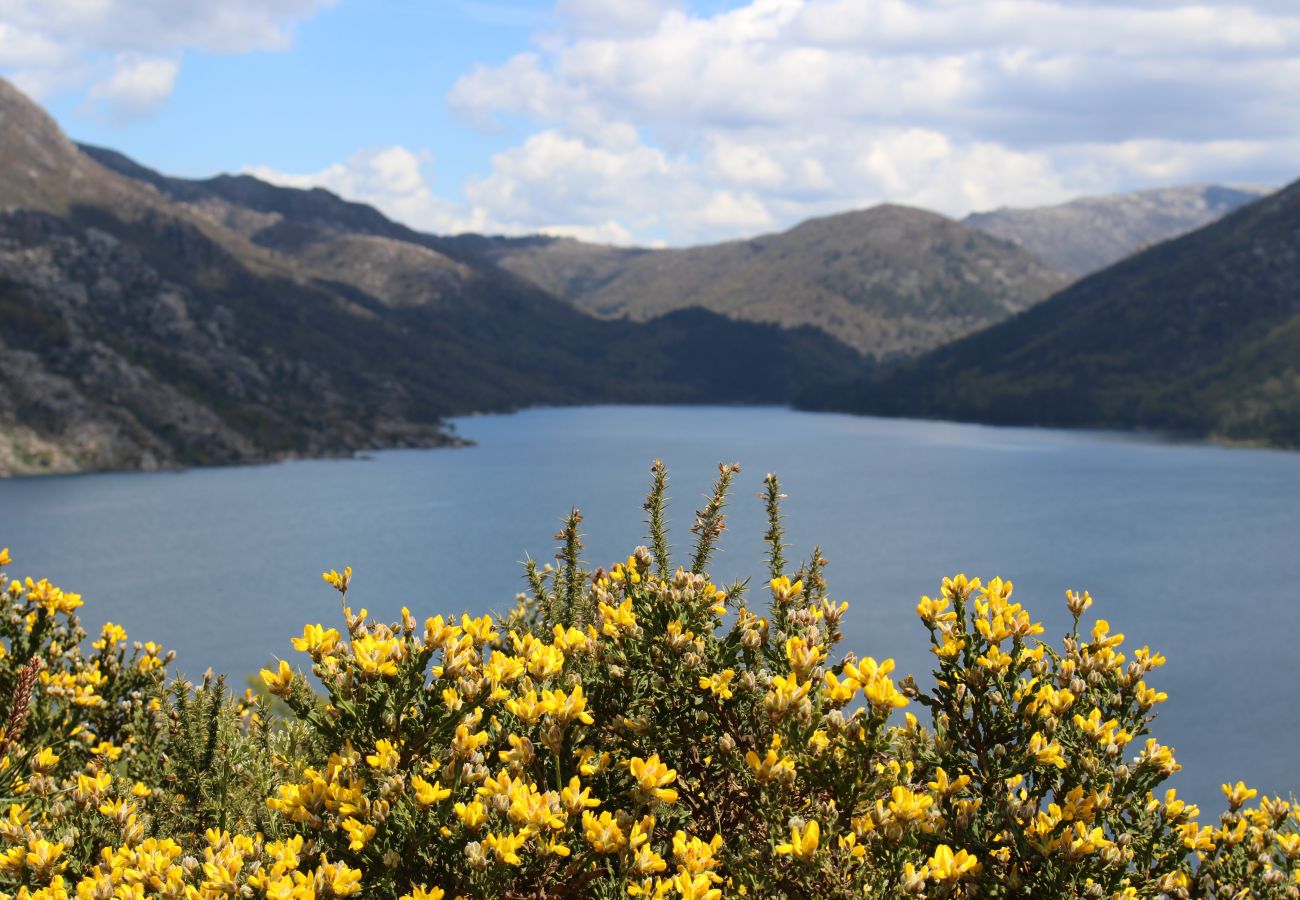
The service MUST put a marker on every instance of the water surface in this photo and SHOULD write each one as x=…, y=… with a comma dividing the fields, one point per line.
x=1193, y=549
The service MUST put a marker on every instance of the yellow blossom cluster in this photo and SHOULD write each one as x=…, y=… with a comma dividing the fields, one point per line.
x=637, y=731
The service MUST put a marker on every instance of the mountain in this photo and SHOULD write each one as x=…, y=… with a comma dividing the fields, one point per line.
x=1091, y=233
x=889, y=281
x=148, y=321
x=1199, y=336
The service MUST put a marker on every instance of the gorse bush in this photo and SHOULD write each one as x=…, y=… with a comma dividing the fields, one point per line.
x=637, y=731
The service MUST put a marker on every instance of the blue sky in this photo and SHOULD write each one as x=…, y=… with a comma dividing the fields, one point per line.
x=674, y=121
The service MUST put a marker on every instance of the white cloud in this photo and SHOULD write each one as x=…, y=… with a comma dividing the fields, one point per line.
x=610, y=231
x=689, y=126
x=394, y=180
x=126, y=53
x=136, y=86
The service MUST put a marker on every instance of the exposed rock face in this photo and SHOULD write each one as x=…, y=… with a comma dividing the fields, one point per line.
x=1088, y=234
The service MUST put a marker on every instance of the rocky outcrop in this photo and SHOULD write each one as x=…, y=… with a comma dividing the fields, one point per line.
x=1090, y=233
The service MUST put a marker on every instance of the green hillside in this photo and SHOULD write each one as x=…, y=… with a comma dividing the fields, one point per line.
x=1198, y=336
x=890, y=281
x=147, y=321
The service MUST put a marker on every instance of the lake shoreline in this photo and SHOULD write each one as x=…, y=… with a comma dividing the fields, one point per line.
x=449, y=439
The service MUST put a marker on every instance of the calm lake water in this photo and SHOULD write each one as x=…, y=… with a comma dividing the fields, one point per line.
x=1193, y=549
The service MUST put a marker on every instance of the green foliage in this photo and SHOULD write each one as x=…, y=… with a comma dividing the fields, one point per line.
x=636, y=731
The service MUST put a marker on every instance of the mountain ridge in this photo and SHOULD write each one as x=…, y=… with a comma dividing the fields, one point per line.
x=890, y=280
x=1198, y=336
x=247, y=322
x=1088, y=234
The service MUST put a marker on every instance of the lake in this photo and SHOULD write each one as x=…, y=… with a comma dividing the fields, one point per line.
x=1194, y=549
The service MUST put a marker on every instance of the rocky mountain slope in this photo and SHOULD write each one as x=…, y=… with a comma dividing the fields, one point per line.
x=1090, y=233
x=890, y=280
x=146, y=321
x=1199, y=335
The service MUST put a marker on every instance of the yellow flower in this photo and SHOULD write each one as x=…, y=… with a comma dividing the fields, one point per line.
x=376, y=656
x=44, y=761
x=719, y=683
x=773, y=766
x=422, y=893
x=472, y=815
x=1158, y=756
x=695, y=856
x=837, y=692
x=696, y=887
x=1195, y=837
x=316, y=640
x=803, y=842
x=577, y=798
x=653, y=777
x=427, y=794
x=359, y=834
x=280, y=682
x=783, y=591
x=566, y=708
x=385, y=758
x=545, y=661
x=1146, y=697
x=947, y=866
x=603, y=832
x=907, y=806
x=1238, y=794
x=43, y=857
x=802, y=657
x=617, y=620
x=110, y=635
x=784, y=695
x=941, y=785
x=339, y=879
x=481, y=630
x=1047, y=753
x=338, y=582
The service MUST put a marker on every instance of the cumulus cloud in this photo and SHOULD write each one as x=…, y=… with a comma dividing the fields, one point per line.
x=126, y=53
x=688, y=126
x=135, y=87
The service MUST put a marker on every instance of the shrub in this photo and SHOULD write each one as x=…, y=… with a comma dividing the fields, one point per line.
x=637, y=731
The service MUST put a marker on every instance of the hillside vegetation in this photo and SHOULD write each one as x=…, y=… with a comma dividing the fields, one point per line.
x=1198, y=336
x=147, y=321
x=632, y=731
x=890, y=281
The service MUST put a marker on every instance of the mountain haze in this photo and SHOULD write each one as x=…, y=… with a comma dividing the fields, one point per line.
x=1199, y=335
x=148, y=321
x=1088, y=234
x=889, y=281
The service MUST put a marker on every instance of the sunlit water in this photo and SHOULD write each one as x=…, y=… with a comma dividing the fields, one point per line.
x=1193, y=549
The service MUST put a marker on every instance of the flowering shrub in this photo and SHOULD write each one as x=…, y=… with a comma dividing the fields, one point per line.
x=637, y=731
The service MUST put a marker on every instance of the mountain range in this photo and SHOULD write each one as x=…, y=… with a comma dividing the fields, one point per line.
x=1198, y=336
x=890, y=281
x=150, y=321
x=1088, y=234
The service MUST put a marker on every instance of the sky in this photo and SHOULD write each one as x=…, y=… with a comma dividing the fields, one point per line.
x=674, y=122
